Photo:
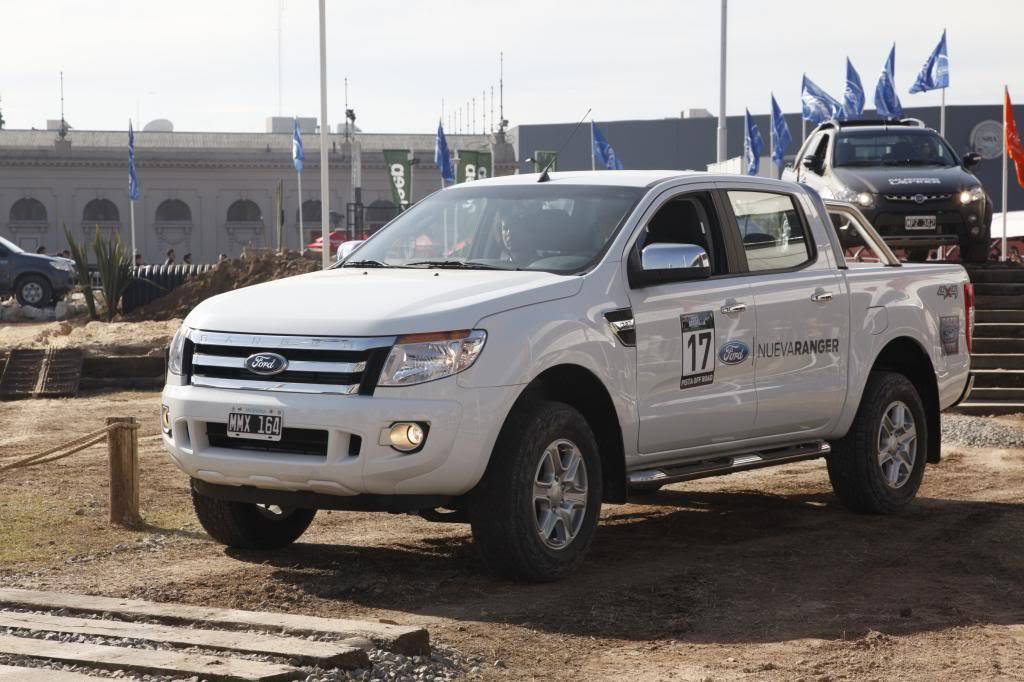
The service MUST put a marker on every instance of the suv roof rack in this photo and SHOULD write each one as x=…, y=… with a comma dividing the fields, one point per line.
x=872, y=122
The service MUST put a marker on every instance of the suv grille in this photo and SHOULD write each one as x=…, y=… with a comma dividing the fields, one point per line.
x=914, y=197
x=316, y=364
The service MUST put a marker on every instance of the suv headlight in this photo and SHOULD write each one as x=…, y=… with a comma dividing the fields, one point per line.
x=417, y=358
x=176, y=352
x=862, y=199
x=972, y=194
x=62, y=265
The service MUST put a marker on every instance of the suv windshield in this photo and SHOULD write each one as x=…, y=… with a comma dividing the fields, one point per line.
x=10, y=246
x=892, y=148
x=545, y=226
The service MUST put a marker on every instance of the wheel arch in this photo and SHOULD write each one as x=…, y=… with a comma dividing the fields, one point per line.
x=905, y=355
x=580, y=388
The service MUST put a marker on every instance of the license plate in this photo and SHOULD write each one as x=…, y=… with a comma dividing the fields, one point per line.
x=255, y=423
x=920, y=222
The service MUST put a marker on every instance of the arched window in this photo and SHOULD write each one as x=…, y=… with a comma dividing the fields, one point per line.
x=28, y=210
x=244, y=211
x=101, y=211
x=173, y=210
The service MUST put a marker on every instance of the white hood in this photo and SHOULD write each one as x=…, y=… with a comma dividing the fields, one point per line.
x=377, y=302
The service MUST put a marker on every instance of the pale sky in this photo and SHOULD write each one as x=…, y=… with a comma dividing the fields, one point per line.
x=212, y=64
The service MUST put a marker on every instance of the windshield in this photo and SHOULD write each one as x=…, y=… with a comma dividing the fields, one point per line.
x=11, y=246
x=892, y=148
x=544, y=226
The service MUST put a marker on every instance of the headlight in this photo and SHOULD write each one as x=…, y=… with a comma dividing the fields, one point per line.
x=417, y=358
x=862, y=199
x=177, y=350
x=63, y=265
x=969, y=196
x=865, y=199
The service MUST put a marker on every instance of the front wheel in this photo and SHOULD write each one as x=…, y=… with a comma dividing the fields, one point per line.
x=34, y=291
x=878, y=466
x=535, y=512
x=245, y=525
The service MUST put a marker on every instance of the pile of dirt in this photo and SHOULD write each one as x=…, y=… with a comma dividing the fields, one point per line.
x=227, y=276
x=95, y=337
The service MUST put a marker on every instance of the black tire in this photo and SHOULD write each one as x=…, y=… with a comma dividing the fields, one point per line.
x=854, y=468
x=917, y=255
x=244, y=525
x=974, y=252
x=34, y=291
x=502, y=510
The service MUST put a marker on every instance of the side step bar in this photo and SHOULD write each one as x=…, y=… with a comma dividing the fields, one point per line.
x=729, y=464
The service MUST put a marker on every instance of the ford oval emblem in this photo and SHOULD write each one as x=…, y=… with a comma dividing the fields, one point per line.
x=266, y=363
x=733, y=352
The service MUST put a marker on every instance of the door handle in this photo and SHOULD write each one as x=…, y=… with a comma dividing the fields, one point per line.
x=822, y=297
x=734, y=308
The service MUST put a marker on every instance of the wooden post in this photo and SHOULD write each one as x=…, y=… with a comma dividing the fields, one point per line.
x=123, y=449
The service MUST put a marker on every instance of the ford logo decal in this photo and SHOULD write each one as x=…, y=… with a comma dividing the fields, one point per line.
x=733, y=353
x=266, y=363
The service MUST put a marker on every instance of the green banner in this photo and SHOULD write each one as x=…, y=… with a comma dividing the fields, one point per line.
x=400, y=171
x=466, y=171
x=542, y=158
x=483, y=165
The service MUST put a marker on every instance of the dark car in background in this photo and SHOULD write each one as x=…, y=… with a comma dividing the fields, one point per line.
x=906, y=179
x=34, y=279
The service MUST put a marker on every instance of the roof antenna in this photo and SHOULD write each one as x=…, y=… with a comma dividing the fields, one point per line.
x=544, y=177
x=63, y=132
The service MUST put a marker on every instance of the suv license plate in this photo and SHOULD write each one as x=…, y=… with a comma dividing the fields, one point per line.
x=920, y=222
x=255, y=423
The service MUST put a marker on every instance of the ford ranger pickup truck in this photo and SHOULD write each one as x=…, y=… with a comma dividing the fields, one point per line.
x=515, y=352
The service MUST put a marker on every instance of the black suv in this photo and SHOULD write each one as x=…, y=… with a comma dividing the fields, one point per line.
x=36, y=280
x=906, y=179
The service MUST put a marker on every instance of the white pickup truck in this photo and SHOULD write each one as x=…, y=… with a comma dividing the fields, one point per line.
x=516, y=351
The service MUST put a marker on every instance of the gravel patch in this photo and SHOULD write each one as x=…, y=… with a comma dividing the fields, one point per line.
x=979, y=432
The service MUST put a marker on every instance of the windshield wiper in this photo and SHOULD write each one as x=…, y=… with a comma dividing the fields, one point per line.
x=364, y=264
x=457, y=265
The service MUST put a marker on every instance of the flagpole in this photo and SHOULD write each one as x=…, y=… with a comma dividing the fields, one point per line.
x=131, y=204
x=325, y=128
x=302, y=246
x=1006, y=119
x=722, y=145
x=593, y=159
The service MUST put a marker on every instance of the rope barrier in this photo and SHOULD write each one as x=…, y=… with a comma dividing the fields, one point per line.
x=72, y=446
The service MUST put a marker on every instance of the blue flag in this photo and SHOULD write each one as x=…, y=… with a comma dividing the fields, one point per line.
x=753, y=145
x=442, y=157
x=781, y=138
x=298, y=153
x=603, y=152
x=133, y=178
x=818, y=105
x=887, y=102
x=935, y=72
x=853, y=95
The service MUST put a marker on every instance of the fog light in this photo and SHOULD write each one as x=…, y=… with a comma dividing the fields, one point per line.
x=165, y=419
x=406, y=436
x=975, y=231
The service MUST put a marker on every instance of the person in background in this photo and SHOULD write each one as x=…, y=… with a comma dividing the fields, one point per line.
x=65, y=254
x=41, y=250
x=223, y=257
x=138, y=259
x=187, y=259
x=170, y=257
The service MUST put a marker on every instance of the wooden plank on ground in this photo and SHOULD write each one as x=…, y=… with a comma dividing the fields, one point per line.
x=409, y=640
x=14, y=673
x=300, y=651
x=149, y=661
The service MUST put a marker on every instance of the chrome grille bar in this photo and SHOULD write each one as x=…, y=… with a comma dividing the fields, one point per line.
x=278, y=387
x=207, y=360
x=277, y=342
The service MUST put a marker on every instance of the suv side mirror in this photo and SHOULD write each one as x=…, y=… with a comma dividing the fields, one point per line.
x=971, y=159
x=664, y=263
x=810, y=162
x=345, y=248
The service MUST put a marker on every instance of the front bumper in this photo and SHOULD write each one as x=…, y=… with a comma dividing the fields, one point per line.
x=463, y=429
x=955, y=223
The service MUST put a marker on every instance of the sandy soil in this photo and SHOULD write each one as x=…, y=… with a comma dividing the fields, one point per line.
x=755, y=576
x=90, y=335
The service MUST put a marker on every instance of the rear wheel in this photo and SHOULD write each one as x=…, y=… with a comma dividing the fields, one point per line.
x=34, y=291
x=878, y=466
x=245, y=525
x=535, y=512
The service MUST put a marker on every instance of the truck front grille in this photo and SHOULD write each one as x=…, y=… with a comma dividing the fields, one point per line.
x=315, y=364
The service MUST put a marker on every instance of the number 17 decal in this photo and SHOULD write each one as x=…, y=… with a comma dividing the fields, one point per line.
x=698, y=343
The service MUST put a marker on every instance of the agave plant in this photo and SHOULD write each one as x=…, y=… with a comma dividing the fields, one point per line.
x=115, y=267
x=81, y=258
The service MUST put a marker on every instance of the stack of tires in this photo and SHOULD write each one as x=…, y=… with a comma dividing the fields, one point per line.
x=150, y=282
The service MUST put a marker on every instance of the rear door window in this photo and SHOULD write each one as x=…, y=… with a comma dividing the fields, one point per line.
x=771, y=229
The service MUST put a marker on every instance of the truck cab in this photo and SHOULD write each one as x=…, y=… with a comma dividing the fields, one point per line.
x=515, y=352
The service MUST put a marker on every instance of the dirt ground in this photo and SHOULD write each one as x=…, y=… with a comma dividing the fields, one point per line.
x=754, y=576
x=92, y=336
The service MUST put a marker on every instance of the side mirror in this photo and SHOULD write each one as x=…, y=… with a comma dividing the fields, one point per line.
x=664, y=263
x=346, y=248
x=971, y=159
x=810, y=162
